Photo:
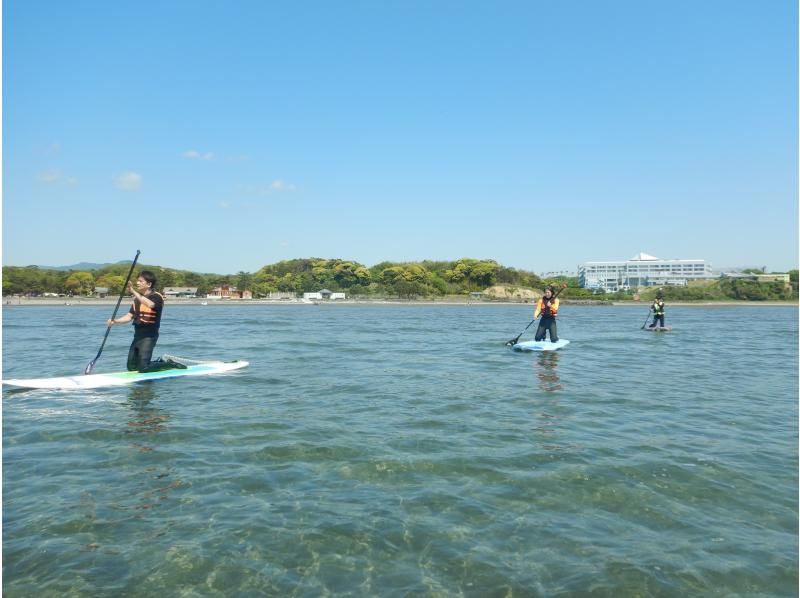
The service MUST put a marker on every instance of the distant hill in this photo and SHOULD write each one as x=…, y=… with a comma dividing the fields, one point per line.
x=83, y=266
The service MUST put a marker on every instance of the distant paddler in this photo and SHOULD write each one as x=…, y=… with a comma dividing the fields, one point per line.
x=658, y=311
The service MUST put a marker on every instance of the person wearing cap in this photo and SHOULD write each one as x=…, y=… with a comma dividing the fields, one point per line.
x=658, y=311
x=547, y=306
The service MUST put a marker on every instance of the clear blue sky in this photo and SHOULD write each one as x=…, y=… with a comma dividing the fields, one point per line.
x=223, y=136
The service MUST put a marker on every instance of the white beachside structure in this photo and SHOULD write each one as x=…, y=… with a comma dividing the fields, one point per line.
x=641, y=270
x=180, y=292
x=323, y=295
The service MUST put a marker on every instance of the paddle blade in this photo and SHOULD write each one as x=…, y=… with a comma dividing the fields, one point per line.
x=89, y=368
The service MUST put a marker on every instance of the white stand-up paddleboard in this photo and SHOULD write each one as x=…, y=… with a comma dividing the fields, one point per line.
x=541, y=345
x=193, y=368
x=658, y=328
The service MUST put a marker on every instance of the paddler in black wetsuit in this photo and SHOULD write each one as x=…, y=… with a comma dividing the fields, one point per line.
x=145, y=313
x=658, y=311
x=547, y=306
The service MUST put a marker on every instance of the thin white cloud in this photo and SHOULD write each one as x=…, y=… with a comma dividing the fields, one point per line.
x=55, y=176
x=276, y=186
x=128, y=181
x=50, y=177
x=282, y=187
x=195, y=155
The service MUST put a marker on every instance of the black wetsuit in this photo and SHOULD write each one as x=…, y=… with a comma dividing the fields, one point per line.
x=146, y=323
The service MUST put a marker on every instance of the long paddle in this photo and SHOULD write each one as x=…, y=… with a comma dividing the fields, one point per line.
x=514, y=340
x=90, y=367
x=647, y=320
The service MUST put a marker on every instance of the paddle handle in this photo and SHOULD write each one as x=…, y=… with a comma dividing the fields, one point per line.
x=125, y=286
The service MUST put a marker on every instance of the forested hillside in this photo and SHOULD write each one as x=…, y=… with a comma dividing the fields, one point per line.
x=407, y=280
x=410, y=280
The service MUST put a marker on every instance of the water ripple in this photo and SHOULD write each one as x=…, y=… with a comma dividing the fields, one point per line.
x=404, y=450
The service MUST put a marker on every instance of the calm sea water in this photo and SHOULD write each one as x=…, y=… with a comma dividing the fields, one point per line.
x=384, y=450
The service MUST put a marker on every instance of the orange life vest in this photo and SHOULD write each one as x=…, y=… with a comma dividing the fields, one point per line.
x=548, y=312
x=143, y=315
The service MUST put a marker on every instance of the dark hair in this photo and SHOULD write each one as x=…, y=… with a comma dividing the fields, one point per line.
x=149, y=277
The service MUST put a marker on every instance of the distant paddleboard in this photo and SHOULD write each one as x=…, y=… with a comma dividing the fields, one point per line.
x=658, y=328
x=192, y=368
x=541, y=345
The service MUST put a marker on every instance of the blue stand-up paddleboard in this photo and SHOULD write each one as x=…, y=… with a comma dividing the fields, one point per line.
x=183, y=367
x=540, y=345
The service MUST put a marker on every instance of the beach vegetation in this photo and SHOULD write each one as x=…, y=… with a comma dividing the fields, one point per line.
x=113, y=282
x=80, y=283
x=425, y=279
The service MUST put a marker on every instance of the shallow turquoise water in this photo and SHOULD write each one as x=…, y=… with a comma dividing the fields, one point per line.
x=383, y=450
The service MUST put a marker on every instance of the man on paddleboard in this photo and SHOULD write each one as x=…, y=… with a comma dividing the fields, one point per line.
x=145, y=313
x=547, y=306
x=658, y=311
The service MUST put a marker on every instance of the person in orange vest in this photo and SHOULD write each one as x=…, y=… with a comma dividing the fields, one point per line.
x=547, y=306
x=145, y=313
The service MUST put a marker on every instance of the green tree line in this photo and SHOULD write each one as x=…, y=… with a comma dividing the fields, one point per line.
x=400, y=279
x=410, y=280
x=34, y=281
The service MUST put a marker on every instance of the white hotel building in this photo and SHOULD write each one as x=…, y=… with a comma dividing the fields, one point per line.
x=641, y=270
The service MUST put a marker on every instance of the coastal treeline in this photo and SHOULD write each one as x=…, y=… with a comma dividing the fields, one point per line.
x=399, y=279
x=409, y=280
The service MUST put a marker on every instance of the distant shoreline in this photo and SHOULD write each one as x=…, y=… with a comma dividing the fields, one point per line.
x=89, y=301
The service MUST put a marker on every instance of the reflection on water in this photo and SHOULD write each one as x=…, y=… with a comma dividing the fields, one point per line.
x=146, y=418
x=546, y=366
x=147, y=423
x=548, y=420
